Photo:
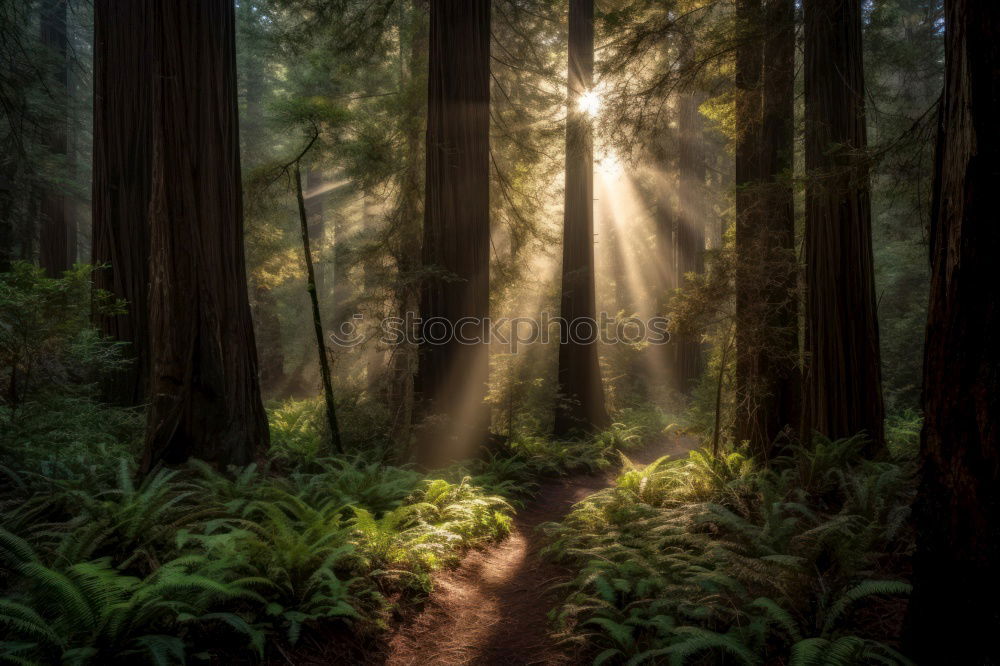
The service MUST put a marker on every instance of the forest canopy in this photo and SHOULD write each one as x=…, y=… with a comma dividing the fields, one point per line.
x=499, y=331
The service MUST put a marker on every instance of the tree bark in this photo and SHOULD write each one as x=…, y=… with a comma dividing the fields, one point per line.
x=768, y=385
x=451, y=379
x=122, y=153
x=844, y=375
x=205, y=396
x=580, y=401
x=955, y=579
x=690, y=226
x=53, y=239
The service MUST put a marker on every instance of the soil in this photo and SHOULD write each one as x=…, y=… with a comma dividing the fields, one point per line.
x=493, y=607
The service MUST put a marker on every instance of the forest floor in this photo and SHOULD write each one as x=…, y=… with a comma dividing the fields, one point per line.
x=492, y=608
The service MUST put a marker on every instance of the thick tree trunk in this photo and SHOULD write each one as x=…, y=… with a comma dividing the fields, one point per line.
x=452, y=377
x=205, y=397
x=957, y=514
x=580, y=403
x=768, y=385
x=53, y=238
x=844, y=375
x=123, y=99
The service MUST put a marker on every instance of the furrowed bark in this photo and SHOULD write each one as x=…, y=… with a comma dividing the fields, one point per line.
x=122, y=153
x=451, y=378
x=955, y=577
x=844, y=375
x=204, y=392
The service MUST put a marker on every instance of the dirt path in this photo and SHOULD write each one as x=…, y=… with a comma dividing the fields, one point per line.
x=492, y=608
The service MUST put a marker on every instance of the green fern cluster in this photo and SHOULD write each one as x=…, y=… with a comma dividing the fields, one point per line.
x=714, y=558
x=191, y=561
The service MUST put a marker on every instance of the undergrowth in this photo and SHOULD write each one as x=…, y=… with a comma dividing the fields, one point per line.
x=191, y=563
x=714, y=560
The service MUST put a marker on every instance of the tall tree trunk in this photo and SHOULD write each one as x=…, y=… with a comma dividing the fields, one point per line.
x=580, y=403
x=324, y=361
x=53, y=249
x=123, y=113
x=406, y=245
x=749, y=217
x=690, y=226
x=844, y=375
x=957, y=513
x=205, y=396
x=452, y=376
x=315, y=181
x=767, y=312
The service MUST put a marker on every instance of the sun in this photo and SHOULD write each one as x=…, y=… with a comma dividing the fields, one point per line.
x=589, y=103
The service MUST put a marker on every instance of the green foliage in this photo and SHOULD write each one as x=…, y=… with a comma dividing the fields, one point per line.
x=50, y=361
x=89, y=612
x=151, y=572
x=716, y=558
x=46, y=341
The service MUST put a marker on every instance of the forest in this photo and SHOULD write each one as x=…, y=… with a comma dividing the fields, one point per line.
x=510, y=332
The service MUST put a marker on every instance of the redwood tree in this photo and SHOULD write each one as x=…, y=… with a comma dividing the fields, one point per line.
x=843, y=387
x=766, y=300
x=953, y=613
x=123, y=97
x=690, y=222
x=451, y=377
x=204, y=393
x=580, y=404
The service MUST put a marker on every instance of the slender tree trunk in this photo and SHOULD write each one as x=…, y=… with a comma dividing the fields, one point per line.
x=204, y=391
x=957, y=514
x=324, y=361
x=452, y=377
x=123, y=112
x=580, y=403
x=844, y=374
x=767, y=314
x=315, y=181
x=53, y=249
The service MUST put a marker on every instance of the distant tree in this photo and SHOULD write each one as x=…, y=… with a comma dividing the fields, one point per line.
x=580, y=404
x=122, y=153
x=953, y=612
x=690, y=220
x=405, y=243
x=53, y=241
x=451, y=377
x=204, y=393
x=843, y=391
